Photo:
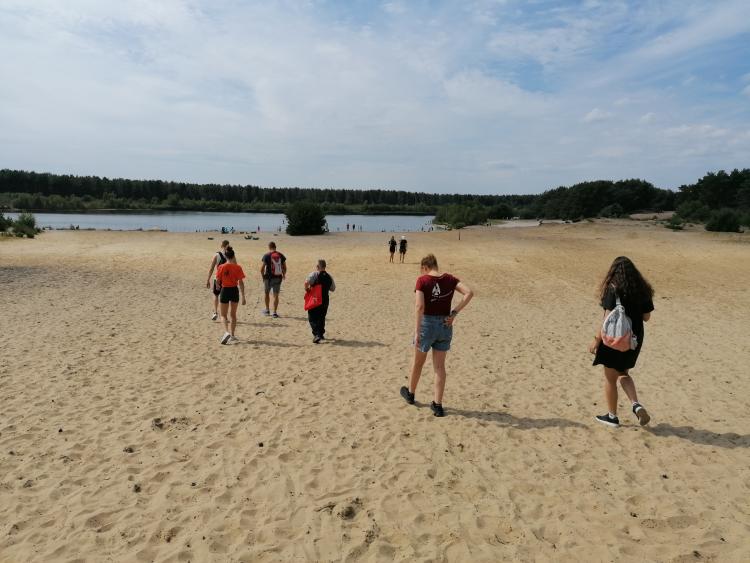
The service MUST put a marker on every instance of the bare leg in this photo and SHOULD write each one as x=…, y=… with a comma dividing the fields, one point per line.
x=610, y=388
x=416, y=370
x=216, y=304
x=233, y=313
x=438, y=364
x=275, y=301
x=628, y=385
x=266, y=297
x=224, y=319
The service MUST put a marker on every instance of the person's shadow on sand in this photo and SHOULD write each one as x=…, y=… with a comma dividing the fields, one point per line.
x=511, y=421
x=354, y=343
x=265, y=343
x=698, y=436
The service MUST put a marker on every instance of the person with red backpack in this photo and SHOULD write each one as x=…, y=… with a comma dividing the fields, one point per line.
x=273, y=271
x=627, y=300
x=316, y=313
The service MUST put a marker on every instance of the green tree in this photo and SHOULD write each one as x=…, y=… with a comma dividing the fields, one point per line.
x=725, y=221
x=501, y=211
x=305, y=218
x=26, y=220
x=694, y=210
x=25, y=225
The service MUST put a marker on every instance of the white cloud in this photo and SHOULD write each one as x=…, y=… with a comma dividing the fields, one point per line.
x=697, y=130
x=595, y=115
x=394, y=8
x=288, y=94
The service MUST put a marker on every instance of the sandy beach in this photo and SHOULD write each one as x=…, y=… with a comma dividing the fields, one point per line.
x=128, y=433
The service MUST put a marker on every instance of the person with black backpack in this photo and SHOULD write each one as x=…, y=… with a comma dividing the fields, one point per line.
x=273, y=271
x=624, y=291
x=218, y=259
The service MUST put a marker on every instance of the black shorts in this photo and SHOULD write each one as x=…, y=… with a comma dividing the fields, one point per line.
x=229, y=294
x=217, y=288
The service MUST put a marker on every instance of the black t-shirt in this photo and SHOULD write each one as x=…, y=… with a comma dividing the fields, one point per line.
x=392, y=244
x=634, y=310
x=402, y=246
x=267, y=260
x=324, y=279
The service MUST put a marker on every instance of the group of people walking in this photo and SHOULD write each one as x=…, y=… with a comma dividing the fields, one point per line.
x=225, y=278
x=623, y=290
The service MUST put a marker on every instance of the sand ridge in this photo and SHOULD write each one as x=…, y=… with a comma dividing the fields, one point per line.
x=127, y=433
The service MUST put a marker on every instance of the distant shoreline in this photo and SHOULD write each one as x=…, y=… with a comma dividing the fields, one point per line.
x=151, y=211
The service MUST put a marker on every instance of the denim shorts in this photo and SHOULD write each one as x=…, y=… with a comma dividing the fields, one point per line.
x=434, y=334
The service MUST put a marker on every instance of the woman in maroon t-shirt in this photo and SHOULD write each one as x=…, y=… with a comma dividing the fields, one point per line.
x=434, y=326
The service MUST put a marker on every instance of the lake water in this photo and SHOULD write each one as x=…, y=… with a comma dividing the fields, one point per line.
x=191, y=221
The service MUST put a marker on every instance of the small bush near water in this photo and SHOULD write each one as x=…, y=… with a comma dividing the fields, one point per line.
x=305, y=218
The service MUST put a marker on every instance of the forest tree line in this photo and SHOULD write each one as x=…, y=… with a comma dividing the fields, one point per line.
x=716, y=191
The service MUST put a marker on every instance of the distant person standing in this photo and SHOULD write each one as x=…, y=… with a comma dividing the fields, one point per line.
x=230, y=276
x=317, y=315
x=347, y=227
x=218, y=259
x=273, y=272
x=434, y=326
x=624, y=285
x=392, y=247
x=402, y=249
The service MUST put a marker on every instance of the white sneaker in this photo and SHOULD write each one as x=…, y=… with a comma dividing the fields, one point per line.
x=233, y=339
x=214, y=316
x=225, y=338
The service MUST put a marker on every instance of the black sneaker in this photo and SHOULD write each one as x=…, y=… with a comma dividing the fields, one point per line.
x=437, y=409
x=408, y=396
x=608, y=420
x=641, y=413
x=316, y=340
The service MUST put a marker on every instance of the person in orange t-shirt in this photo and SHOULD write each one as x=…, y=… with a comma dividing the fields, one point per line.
x=229, y=276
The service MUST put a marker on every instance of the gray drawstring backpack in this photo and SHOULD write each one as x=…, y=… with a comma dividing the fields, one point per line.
x=617, y=329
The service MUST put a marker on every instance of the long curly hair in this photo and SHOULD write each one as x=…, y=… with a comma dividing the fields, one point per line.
x=629, y=283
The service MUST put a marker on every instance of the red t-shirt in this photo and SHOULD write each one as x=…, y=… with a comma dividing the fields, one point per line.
x=228, y=274
x=438, y=293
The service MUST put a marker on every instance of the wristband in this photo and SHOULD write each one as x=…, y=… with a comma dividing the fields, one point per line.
x=453, y=313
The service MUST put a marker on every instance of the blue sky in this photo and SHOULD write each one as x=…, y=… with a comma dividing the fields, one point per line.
x=479, y=96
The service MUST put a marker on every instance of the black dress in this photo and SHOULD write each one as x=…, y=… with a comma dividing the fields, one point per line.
x=611, y=358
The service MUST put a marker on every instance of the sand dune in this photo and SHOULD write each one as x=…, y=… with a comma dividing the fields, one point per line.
x=127, y=433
